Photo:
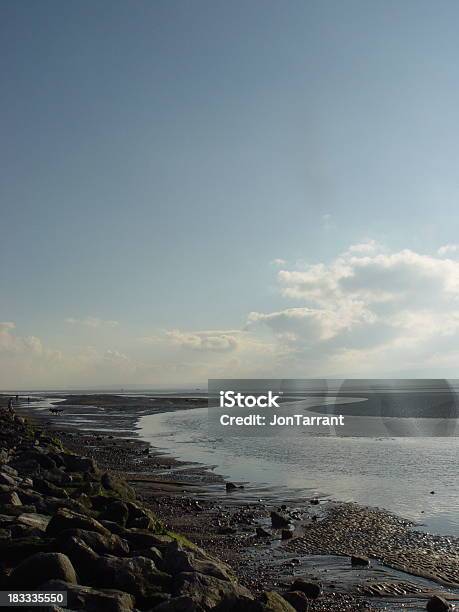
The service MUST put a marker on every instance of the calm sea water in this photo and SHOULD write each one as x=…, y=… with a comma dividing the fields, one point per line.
x=397, y=474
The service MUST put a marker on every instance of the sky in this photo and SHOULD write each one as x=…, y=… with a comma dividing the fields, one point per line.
x=209, y=189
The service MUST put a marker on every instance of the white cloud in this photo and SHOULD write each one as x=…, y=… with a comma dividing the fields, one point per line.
x=214, y=341
x=366, y=307
x=93, y=322
x=368, y=246
x=448, y=249
x=278, y=262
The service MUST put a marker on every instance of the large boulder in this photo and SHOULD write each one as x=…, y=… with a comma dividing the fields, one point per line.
x=91, y=600
x=6, y=479
x=136, y=575
x=75, y=463
x=438, y=604
x=103, y=544
x=116, y=511
x=205, y=591
x=298, y=600
x=42, y=458
x=10, y=498
x=29, y=496
x=279, y=521
x=48, y=488
x=67, y=519
x=312, y=590
x=16, y=550
x=118, y=486
x=82, y=556
x=178, y=604
x=141, y=538
x=56, y=476
x=34, y=520
x=39, y=568
x=177, y=560
x=274, y=602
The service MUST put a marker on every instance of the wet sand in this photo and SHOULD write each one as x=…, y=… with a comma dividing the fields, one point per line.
x=406, y=568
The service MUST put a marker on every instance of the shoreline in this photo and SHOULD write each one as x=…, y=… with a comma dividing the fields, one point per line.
x=180, y=491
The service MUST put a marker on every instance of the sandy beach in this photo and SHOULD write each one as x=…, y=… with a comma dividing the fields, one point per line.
x=306, y=538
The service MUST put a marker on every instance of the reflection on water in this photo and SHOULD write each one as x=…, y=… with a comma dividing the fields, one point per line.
x=393, y=473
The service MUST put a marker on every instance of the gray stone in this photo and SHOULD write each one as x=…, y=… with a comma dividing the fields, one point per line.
x=10, y=498
x=206, y=592
x=360, y=561
x=91, y=600
x=312, y=590
x=279, y=521
x=35, y=521
x=177, y=560
x=135, y=575
x=41, y=567
x=67, y=519
x=297, y=599
x=6, y=479
x=438, y=604
x=102, y=544
x=75, y=463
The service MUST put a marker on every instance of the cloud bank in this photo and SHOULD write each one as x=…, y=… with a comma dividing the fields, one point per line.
x=368, y=312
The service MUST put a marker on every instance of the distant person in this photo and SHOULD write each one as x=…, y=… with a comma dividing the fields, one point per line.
x=28, y=400
x=10, y=404
x=17, y=399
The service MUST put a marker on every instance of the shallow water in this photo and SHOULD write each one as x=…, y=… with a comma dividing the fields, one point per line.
x=397, y=474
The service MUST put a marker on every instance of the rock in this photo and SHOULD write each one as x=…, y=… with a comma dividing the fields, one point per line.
x=154, y=554
x=315, y=501
x=75, y=463
x=177, y=560
x=35, y=521
x=140, y=538
x=102, y=544
x=82, y=556
x=28, y=496
x=48, y=488
x=287, y=534
x=56, y=476
x=6, y=479
x=117, y=485
x=135, y=575
x=143, y=522
x=206, y=592
x=116, y=511
x=10, y=471
x=312, y=590
x=279, y=521
x=275, y=603
x=437, y=604
x=40, y=457
x=67, y=519
x=176, y=604
x=91, y=600
x=360, y=561
x=11, y=498
x=15, y=551
x=297, y=599
x=230, y=486
x=41, y=567
x=263, y=533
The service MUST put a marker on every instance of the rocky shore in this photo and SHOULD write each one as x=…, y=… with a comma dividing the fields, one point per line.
x=311, y=557
x=67, y=525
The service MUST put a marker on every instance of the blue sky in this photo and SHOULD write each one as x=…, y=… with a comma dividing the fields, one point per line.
x=158, y=157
